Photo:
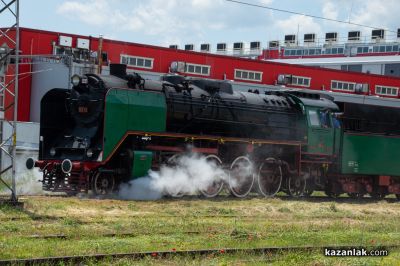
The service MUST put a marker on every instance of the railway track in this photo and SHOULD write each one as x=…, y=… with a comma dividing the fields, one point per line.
x=318, y=198
x=190, y=253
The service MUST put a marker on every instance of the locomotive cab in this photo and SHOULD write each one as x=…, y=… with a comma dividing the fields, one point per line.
x=321, y=126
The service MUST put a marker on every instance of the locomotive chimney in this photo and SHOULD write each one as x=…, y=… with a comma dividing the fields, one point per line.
x=118, y=70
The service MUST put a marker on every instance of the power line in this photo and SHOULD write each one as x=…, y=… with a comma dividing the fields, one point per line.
x=306, y=15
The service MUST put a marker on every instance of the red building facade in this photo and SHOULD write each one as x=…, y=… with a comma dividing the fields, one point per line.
x=156, y=59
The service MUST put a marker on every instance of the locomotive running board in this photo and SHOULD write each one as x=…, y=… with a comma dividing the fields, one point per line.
x=191, y=137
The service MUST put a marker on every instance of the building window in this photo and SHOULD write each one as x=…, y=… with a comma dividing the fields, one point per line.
x=342, y=85
x=203, y=70
x=385, y=90
x=293, y=52
x=385, y=48
x=362, y=50
x=333, y=51
x=300, y=81
x=248, y=75
x=136, y=61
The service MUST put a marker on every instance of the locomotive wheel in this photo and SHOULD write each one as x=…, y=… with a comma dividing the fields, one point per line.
x=173, y=162
x=377, y=195
x=332, y=195
x=330, y=190
x=356, y=195
x=103, y=184
x=296, y=186
x=310, y=183
x=215, y=188
x=241, y=177
x=269, y=178
x=308, y=191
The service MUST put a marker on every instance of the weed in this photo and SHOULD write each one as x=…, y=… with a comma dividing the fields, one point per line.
x=284, y=209
x=132, y=207
x=71, y=221
x=220, y=211
x=11, y=227
x=333, y=207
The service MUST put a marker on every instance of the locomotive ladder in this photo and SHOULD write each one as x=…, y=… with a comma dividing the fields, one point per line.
x=9, y=73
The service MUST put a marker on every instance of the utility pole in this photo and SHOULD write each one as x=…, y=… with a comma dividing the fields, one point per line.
x=9, y=62
x=100, y=55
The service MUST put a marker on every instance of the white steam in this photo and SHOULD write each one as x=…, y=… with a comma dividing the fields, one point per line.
x=189, y=175
x=26, y=180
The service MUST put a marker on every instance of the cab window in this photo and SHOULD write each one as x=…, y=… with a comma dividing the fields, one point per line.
x=314, y=118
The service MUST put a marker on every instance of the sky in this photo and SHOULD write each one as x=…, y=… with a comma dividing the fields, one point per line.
x=165, y=22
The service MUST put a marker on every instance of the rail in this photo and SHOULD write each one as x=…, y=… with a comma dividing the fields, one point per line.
x=191, y=253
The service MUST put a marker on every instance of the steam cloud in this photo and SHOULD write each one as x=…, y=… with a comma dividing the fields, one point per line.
x=26, y=180
x=187, y=176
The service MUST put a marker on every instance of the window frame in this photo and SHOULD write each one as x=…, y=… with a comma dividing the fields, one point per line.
x=196, y=66
x=136, y=59
x=387, y=88
x=315, y=116
x=248, y=72
x=340, y=85
x=298, y=78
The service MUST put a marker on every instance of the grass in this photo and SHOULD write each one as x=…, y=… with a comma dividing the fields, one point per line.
x=292, y=258
x=110, y=226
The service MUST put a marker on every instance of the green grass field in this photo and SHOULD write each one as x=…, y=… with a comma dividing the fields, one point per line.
x=111, y=226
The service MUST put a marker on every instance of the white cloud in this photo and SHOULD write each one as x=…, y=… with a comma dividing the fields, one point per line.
x=202, y=4
x=188, y=19
x=373, y=13
x=330, y=10
x=294, y=22
x=92, y=12
x=266, y=2
x=195, y=21
x=377, y=14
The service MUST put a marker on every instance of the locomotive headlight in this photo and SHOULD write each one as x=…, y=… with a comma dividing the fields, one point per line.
x=89, y=153
x=75, y=80
x=52, y=151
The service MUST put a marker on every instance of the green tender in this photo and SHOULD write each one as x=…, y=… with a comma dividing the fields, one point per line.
x=131, y=110
x=370, y=155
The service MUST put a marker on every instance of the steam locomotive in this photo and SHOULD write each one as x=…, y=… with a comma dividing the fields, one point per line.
x=110, y=129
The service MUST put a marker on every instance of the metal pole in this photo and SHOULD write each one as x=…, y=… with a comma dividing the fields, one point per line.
x=13, y=35
x=100, y=54
x=14, y=139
